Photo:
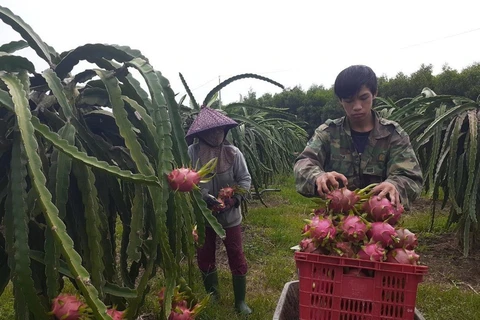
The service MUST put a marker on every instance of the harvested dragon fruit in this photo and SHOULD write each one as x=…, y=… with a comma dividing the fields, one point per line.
x=353, y=228
x=356, y=224
x=321, y=229
x=226, y=192
x=382, y=232
x=308, y=245
x=342, y=200
x=406, y=239
x=321, y=212
x=382, y=210
x=372, y=252
x=397, y=214
x=344, y=249
x=402, y=256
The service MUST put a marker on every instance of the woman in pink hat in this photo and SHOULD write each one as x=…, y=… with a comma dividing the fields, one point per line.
x=211, y=127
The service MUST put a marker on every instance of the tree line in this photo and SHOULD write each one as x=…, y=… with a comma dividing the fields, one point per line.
x=318, y=103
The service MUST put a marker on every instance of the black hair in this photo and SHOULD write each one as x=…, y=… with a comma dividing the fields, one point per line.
x=350, y=80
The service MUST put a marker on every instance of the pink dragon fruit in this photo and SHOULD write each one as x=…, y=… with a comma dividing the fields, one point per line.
x=305, y=228
x=68, y=307
x=407, y=239
x=344, y=249
x=396, y=214
x=402, y=256
x=378, y=210
x=382, y=232
x=308, y=245
x=181, y=312
x=226, y=192
x=342, y=200
x=186, y=179
x=372, y=252
x=321, y=229
x=183, y=179
x=115, y=314
x=353, y=228
x=321, y=212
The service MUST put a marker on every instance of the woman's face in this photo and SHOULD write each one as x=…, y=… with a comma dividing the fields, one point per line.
x=214, y=137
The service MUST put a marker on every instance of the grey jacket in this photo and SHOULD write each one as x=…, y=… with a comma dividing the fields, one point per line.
x=237, y=175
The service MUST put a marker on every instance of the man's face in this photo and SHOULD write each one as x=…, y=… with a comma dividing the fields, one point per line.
x=358, y=108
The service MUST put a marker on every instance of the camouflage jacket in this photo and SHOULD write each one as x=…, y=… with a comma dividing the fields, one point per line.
x=388, y=156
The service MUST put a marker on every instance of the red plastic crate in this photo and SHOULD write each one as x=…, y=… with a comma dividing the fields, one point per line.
x=327, y=292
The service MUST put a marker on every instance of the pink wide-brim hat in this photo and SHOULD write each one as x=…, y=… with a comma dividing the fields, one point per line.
x=207, y=119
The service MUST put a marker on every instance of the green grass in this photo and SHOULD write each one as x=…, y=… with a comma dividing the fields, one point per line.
x=439, y=302
x=269, y=233
x=420, y=222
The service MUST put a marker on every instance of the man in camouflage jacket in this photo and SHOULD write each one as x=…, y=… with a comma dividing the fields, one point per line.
x=359, y=149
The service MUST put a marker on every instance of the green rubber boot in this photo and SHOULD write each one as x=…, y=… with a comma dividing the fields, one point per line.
x=210, y=281
x=239, y=289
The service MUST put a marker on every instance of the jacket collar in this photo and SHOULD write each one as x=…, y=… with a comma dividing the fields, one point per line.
x=379, y=131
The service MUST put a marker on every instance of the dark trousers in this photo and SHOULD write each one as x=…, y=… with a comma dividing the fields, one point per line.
x=233, y=245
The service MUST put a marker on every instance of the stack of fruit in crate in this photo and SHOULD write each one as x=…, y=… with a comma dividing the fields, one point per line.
x=357, y=224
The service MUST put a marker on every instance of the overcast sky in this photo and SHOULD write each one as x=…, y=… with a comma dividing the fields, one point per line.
x=299, y=42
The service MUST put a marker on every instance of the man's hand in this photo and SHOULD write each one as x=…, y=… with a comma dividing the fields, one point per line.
x=386, y=188
x=327, y=179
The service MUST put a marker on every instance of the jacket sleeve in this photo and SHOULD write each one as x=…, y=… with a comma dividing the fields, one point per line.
x=240, y=172
x=311, y=163
x=403, y=169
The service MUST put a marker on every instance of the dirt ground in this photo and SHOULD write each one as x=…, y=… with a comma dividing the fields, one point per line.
x=443, y=255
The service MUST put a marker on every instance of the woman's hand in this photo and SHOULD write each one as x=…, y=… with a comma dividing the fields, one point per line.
x=211, y=201
x=230, y=203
